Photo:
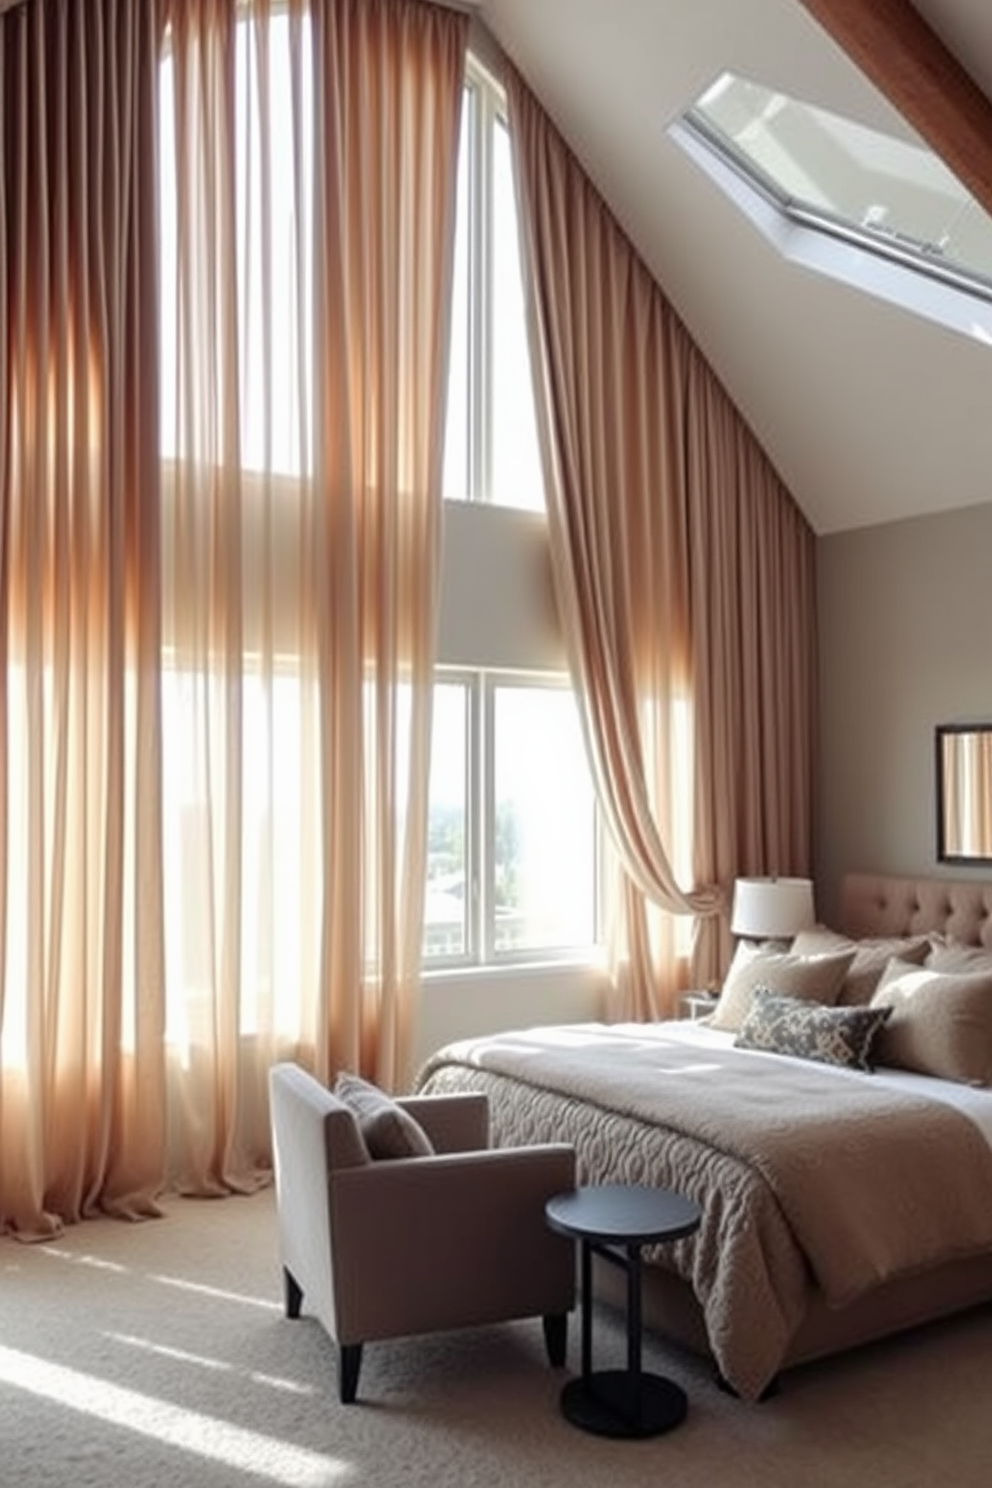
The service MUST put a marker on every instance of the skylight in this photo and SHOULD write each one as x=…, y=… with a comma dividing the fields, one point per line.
x=888, y=196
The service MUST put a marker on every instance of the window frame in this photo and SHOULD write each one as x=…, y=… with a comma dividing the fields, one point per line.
x=481, y=687
x=900, y=243
x=485, y=108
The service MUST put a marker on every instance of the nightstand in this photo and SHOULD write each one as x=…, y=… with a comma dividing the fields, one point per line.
x=697, y=1004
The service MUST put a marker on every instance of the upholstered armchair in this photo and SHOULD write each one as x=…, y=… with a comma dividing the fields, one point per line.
x=379, y=1247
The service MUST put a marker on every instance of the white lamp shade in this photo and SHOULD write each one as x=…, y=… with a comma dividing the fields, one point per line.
x=772, y=908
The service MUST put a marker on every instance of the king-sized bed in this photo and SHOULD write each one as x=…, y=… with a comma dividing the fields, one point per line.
x=844, y=1197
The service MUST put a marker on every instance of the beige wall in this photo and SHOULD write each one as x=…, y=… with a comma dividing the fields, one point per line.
x=905, y=617
x=497, y=606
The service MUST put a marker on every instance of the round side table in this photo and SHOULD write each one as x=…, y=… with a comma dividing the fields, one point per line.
x=614, y=1221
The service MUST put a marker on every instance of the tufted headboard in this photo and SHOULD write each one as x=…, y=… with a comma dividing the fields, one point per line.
x=876, y=904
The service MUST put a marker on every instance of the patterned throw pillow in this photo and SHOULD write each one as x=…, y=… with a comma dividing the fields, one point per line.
x=807, y=1030
x=387, y=1129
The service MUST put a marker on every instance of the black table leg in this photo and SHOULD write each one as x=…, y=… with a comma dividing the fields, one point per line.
x=634, y=1332
x=586, y=1250
x=620, y=1402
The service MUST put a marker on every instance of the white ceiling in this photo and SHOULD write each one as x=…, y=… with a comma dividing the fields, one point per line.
x=869, y=412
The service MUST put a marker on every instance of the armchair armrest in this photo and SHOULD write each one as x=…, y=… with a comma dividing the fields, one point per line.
x=450, y=1240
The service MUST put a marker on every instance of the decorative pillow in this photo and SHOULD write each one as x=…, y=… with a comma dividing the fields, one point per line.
x=871, y=956
x=941, y=1022
x=812, y=978
x=808, y=1030
x=387, y=1129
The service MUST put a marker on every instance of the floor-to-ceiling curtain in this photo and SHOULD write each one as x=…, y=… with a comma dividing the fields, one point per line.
x=81, y=952
x=670, y=537
x=753, y=609
x=387, y=126
x=309, y=168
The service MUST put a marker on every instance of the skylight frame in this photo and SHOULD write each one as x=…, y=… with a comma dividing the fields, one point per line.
x=727, y=163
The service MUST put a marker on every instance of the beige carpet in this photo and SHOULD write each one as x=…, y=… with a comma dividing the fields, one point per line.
x=157, y=1354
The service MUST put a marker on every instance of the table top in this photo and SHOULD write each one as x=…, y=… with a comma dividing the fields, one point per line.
x=623, y=1214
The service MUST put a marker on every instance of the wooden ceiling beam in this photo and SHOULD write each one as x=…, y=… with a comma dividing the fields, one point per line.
x=891, y=43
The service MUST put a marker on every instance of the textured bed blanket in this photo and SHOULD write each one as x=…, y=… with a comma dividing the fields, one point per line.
x=804, y=1174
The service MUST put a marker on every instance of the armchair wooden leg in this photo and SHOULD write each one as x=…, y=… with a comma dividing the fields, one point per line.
x=349, y=1365
x=556, y=1337
x=293, y=1294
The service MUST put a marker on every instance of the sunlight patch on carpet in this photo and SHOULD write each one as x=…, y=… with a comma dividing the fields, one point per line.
x=210, y=1291
x=202, y=1361
x=202, y=1436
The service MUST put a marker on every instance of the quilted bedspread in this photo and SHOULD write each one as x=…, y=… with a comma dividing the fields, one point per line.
x=807, y=1177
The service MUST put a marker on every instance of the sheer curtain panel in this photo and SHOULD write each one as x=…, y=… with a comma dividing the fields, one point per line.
x=308, y=188
x=81, y=954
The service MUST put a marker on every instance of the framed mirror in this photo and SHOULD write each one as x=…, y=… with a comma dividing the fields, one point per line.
x=964, y=792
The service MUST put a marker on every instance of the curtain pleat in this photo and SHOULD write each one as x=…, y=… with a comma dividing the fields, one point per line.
x=683, y=575
x=225, y=260
x=753, y=607
x=310, y=152
x=81, y=952
x=387, y=126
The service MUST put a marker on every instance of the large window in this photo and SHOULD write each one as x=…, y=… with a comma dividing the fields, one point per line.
x=512, y=838
x=512, y=862
x=491, y=447
x=274, y=392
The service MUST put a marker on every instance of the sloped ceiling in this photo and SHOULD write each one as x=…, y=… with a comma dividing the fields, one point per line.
x=869, y=412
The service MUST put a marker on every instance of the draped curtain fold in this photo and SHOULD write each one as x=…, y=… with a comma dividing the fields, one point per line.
x=81, y=952
x=683, y=575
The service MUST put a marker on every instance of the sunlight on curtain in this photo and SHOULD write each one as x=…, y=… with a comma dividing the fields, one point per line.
x=667, y=528
x=618, y=536
x=81, y=1077
x=240, y=704
x=387, y=150
x=308, y=171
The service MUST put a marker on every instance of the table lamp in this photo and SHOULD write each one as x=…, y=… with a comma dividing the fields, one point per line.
x=771, y=908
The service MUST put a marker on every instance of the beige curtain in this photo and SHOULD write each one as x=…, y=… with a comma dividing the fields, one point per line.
x=657, y=495
x=308, y=160
x=753, y=616
x=81, y=954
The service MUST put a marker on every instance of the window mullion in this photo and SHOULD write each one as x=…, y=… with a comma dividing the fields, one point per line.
x=475, y=844
x=487, y=796
x=482, y=296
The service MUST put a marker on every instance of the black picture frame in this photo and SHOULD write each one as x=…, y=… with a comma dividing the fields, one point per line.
x=950, y=739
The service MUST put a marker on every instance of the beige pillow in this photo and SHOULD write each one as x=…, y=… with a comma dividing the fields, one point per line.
x=812, y=978
x=387, y=1129
x=871, y=956
x=941, y=1022
x=952, y=955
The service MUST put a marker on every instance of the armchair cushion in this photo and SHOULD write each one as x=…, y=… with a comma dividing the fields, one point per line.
x=388, y=1130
